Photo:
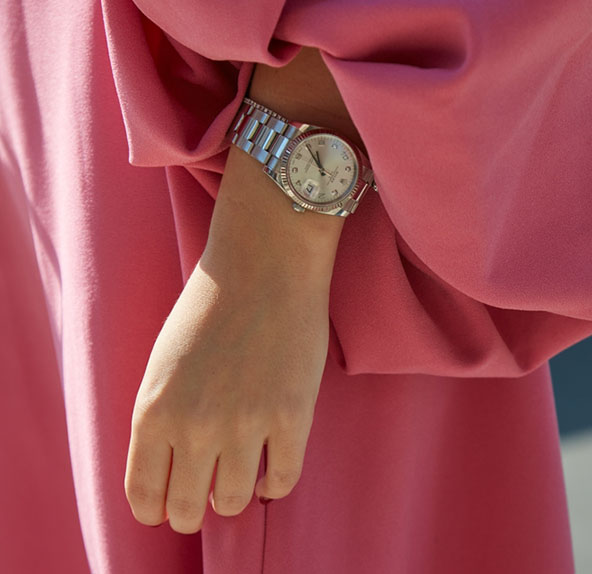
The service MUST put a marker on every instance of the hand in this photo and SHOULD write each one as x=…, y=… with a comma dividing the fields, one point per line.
x=237, y=364
x=239, y=360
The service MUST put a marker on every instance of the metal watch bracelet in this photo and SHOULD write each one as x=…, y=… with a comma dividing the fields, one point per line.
x=265, y=135
x=271, y=133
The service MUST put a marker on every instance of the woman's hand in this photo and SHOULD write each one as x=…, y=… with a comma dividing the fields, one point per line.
x=236, y=365
x=239, y=360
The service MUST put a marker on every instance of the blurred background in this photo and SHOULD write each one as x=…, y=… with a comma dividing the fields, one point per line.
x=572, y=384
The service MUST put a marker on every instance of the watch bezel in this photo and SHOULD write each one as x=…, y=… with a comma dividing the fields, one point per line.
x=285, y=180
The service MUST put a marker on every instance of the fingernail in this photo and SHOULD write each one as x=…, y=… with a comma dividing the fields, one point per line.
x=264, y=500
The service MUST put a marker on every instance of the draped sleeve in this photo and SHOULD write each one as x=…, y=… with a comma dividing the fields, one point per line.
x=474, y=259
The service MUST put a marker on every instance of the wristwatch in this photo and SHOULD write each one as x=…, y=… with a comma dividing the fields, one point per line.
x=317, y=168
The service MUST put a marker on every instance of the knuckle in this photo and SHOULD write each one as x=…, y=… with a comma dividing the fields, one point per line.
x=286, y=419
x=149, y=422
x=244, y=426
x=142, y=496
x=194, y=432
x=284, y=479
x=145, y=503
x=149, y=408
x=291, y=413
x=185, y=509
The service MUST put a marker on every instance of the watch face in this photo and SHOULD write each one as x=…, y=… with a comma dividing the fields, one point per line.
x=322, y=168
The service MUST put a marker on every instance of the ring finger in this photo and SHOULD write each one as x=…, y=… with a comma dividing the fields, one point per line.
x=236, y=475
x=189, y=484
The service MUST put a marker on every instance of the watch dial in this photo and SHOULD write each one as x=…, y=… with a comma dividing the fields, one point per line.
x=322, y=168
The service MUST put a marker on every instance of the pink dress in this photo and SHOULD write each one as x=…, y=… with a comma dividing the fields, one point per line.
x=434, y=448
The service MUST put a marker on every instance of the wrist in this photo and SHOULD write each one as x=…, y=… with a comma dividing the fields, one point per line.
x=254, y=228
x=253, y=225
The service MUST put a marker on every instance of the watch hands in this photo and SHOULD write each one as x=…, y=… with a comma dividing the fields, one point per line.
x=324, y=170
x=317, y=160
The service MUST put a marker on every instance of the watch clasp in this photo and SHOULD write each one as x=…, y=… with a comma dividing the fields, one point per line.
x=368, y=177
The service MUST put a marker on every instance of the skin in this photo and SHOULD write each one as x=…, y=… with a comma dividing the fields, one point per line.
x=223, y=378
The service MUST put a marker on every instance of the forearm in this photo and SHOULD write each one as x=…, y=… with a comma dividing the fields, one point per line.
x=253, y=222
x=304, y=90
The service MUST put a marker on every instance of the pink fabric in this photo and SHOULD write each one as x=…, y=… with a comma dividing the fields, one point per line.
x=434, y=446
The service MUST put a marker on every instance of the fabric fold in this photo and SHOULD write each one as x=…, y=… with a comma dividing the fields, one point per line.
x=475, y=257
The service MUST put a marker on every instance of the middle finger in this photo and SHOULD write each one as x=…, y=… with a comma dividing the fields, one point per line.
x=189, y=485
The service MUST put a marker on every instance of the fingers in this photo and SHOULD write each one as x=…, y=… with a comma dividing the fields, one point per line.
x=235, y=476
x=189, y=484
x=162, y=480
x=285, y=456
x=146, y=477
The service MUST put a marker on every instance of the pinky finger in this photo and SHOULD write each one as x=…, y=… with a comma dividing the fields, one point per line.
x=284, y=456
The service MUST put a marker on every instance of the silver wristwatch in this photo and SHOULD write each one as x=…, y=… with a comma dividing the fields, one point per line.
x=319, y=169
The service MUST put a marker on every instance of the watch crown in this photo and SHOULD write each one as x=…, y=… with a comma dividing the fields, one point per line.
x=298, y=207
